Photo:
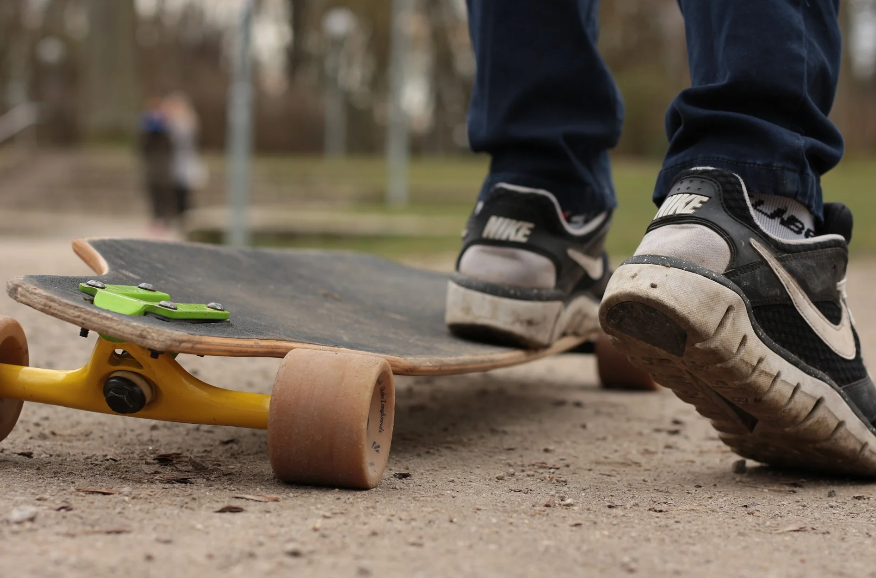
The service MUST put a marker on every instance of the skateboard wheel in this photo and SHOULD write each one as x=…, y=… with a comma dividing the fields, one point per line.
x=615, y=369
x=13, y=350
x=330, y=420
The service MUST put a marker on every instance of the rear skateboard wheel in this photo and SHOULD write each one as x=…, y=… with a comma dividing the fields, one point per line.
x=330, y=420
x=13, y=351
x=616, y=371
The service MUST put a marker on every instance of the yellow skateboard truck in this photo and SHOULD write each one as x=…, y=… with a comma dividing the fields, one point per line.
x=123, y=378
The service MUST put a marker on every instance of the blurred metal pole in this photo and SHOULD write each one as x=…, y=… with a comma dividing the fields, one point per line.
x=337, y=25
x=335, y=106
x=239, y=147
x=397, y=141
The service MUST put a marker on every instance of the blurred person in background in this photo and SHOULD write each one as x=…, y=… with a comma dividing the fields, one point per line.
x=188, y=171
x=735, y=298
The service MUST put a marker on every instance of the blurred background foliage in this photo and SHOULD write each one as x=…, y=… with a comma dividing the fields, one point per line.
x=92, y=64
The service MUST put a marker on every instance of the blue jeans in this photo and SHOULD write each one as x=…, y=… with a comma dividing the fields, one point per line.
x=763, y=79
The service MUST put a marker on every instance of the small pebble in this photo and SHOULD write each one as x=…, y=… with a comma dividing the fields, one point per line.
x=739, y=467
x=500, y=477
x=198, y=464
x=22, y=514
x=831, y=493
x=293, y=549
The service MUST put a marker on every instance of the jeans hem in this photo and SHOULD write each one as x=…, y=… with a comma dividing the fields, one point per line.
x=575, y=198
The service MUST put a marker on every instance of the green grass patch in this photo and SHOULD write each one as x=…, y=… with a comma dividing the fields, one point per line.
x=396, y=248
x=389, y=247
x=448, y=187
x=853, y=182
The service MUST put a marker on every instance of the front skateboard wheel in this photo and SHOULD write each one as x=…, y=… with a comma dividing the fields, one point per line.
x=13, y=351
x=615, y=369
x=330, y=420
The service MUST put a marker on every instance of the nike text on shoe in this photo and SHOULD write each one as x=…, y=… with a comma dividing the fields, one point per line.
x=751, y=329
x=526, y=275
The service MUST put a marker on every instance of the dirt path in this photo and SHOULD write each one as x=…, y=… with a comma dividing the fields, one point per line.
x=521, y=472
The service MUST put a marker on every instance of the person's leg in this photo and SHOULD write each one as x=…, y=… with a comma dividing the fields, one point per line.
x=763, y=78
x=154, y=190
x=532, y=266
x=168, y=202
x=181, y=194
x=161, y=201
x=732, y=299
x=544, y=105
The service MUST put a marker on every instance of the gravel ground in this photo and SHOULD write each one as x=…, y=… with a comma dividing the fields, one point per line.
x=524, y=471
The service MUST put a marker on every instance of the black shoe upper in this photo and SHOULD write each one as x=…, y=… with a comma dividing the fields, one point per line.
x=532, y=221
x=817, y=266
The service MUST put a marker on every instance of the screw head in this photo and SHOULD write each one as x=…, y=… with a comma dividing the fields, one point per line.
x=168, y=305
x=215, y=306
x=95, y=284
x=146, y=287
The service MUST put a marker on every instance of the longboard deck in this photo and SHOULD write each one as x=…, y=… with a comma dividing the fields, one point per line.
x=279, y=300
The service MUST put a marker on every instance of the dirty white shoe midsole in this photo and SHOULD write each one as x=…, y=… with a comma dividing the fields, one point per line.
x=531, y=323
x=692, y=331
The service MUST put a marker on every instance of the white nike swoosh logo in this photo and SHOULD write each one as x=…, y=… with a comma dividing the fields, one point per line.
x=839, y=338
x=593, y=265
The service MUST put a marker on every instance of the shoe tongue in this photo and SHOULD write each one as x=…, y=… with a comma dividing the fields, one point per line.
x=837, y=221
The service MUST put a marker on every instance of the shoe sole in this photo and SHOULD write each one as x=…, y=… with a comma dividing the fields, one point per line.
x=694, y=335
x=517, y=322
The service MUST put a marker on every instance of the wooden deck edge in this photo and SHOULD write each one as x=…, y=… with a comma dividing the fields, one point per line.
x=176, y=341
x=83, y=248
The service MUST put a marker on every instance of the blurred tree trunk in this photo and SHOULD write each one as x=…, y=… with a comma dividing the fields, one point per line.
x=853, y=110
x=298, y=11
x=110, y=89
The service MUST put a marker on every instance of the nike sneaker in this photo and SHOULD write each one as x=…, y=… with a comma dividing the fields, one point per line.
x=750, y=328
x=528, y=273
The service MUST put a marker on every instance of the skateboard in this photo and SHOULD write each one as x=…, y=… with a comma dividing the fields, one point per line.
x=343, y=322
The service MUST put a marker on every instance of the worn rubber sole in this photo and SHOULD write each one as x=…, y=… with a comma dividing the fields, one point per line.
x=518, y=322
x=693, y=334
